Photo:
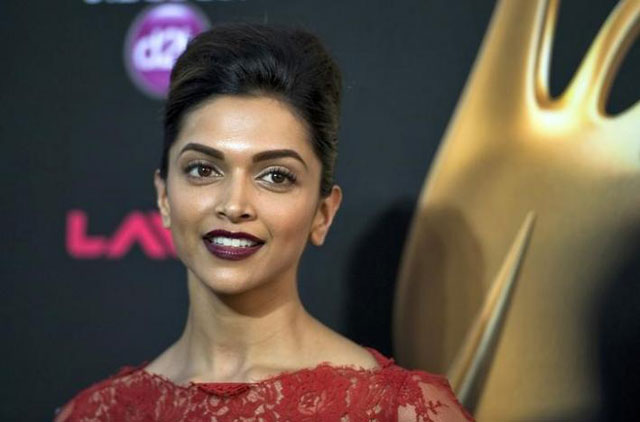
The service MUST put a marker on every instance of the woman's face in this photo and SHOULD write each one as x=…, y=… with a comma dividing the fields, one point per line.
x=242, y=193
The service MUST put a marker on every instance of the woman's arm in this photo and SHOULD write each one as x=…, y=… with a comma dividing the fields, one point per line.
x=425, y=397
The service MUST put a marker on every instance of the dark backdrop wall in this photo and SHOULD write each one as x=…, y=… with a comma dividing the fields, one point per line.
x=78, y=136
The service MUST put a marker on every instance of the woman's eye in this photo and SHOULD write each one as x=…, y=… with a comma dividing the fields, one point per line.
x=200, y=170
x=278, y=177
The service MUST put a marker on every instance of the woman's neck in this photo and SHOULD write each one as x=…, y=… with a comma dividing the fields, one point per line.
x=227, y=336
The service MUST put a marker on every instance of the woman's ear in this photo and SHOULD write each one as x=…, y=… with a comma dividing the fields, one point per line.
x=327, y=209
x=161, y=199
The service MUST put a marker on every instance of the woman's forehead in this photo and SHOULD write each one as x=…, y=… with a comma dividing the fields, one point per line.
x=245, y=125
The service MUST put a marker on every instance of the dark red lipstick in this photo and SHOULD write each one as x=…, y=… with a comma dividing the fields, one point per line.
x=245, y=246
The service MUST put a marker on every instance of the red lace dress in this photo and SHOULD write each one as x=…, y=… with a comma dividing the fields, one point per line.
x=322, y=393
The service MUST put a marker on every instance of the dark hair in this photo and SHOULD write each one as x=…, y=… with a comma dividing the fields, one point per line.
x=255, y=59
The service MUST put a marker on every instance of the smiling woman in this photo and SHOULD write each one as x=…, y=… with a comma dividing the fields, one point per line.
x=242, y=169
x=245, y=183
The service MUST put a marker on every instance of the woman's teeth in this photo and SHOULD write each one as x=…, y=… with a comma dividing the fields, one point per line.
x=236, y=243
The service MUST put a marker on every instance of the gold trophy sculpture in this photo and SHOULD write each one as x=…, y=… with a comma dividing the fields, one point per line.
x=500, y=304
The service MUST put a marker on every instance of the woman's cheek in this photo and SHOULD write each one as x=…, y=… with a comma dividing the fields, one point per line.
x=294, y=217
x=184, y=221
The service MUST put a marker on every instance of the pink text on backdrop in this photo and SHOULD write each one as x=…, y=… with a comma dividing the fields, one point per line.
x=137, y=228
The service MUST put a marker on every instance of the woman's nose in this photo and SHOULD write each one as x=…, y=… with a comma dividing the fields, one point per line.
x=234, y=201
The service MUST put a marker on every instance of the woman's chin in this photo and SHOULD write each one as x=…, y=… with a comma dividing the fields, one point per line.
x=228, y=283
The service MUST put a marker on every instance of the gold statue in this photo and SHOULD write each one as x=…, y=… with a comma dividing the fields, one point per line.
x=502, y=306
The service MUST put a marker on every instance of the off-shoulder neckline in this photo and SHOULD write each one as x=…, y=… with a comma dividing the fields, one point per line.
x=383, y=363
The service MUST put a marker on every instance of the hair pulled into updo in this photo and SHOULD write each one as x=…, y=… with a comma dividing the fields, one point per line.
x=289, y=64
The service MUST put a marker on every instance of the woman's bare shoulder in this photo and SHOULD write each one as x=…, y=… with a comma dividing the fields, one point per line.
x=331, y=346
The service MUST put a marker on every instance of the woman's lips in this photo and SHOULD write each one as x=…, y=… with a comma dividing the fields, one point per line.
x=233, y=253
x=231, y=246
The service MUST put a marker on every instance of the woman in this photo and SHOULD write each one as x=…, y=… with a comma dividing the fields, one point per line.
x=245, y=182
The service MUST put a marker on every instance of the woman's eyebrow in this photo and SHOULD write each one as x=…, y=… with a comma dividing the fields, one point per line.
x=278, y=153
x=261, y=156
x=203, y=149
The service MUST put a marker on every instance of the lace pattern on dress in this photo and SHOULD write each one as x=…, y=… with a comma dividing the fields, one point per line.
x=323, y=393
x=426, y=397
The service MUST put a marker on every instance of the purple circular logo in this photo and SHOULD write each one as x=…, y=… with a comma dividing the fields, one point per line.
x=155, y=40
